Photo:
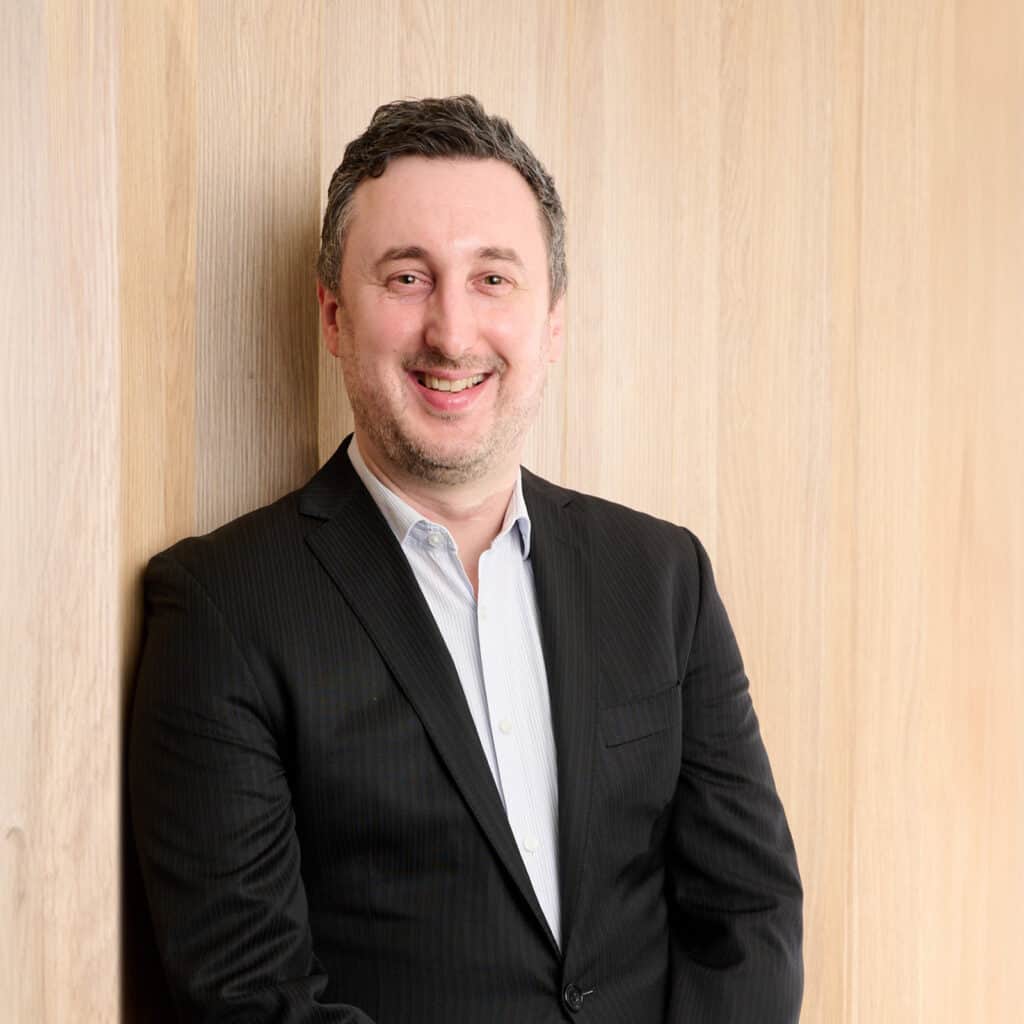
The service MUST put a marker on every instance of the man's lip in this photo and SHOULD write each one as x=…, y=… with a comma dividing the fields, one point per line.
x=449, y=401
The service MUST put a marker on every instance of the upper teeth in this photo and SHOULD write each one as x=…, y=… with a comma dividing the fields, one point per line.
x=441, y=384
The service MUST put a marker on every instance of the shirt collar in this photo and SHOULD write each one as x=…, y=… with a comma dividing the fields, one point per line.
x=401, y=517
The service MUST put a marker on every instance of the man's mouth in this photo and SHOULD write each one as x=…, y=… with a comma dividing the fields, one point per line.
x=443, y=384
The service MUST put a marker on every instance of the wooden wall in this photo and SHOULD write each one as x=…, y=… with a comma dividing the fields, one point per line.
x=795, y=324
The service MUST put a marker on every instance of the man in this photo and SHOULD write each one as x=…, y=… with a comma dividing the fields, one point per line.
x=431, y=739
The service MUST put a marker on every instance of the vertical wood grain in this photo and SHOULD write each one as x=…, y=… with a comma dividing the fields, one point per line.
x=892, y=692
x=773, y=406
x=826, y=831
x=642, y=195
x=258, y=151
x=157, y=197
x=60, y=476
x=973, y=487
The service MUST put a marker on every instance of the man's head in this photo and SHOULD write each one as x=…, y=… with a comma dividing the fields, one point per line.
x=442, y=298
x=455, y=126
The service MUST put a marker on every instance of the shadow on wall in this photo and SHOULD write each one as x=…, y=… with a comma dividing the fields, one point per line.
x=145, y=996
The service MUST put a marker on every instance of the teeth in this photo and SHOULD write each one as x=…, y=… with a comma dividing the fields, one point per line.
x=440, y=384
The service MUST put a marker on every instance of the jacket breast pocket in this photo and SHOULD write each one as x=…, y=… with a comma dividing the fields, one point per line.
x=638, y=719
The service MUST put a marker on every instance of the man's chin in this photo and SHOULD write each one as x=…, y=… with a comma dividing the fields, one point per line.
x=447, y=466
x=446, y=463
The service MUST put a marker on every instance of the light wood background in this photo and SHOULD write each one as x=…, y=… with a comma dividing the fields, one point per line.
x=795, y=324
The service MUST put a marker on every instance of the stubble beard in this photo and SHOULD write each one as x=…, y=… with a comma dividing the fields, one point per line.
x=377, y=415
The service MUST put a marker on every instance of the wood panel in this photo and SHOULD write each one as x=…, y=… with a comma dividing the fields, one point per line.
x=258, y=151
x=772, y=453
x=59, y=794
x=642, y=196
x=969, y=693
x=861, y=507
x=889, y=748
x=157, y=193
x=825, y=830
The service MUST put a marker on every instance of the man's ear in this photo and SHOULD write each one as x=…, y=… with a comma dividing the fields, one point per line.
x=556, y=329
x=329, y=308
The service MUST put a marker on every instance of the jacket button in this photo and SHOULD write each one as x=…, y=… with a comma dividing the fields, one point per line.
x=573, y=998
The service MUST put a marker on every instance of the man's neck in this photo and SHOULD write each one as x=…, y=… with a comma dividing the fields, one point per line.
x=472, y=512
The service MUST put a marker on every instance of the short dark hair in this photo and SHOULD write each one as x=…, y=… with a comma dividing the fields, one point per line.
x=454, y=126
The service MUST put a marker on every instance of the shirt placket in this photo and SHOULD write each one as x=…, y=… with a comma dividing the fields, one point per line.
x=500, y=664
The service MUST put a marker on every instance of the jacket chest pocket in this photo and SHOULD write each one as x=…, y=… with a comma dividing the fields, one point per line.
x=638, y=719
x=641, y=748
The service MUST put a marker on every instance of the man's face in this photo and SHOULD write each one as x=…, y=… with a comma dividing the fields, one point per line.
x=443, y=323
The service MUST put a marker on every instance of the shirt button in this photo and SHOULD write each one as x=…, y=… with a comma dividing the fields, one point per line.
x=435, y=540
x=531, y=845
x=505, y=726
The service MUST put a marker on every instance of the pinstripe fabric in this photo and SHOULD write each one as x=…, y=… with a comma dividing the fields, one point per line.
x=318, y=827
x=495, y=644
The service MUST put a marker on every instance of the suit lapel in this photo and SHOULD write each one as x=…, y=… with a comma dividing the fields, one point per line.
x=360, y=553
x=560, y=557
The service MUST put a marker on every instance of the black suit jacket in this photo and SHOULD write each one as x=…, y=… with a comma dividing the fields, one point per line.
x=320, y=835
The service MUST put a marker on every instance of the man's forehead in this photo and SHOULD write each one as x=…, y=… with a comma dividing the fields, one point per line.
x=419, y=202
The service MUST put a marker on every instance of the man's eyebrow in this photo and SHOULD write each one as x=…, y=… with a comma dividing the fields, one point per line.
x=495, y=252
x=401, y=252
x=417, y=252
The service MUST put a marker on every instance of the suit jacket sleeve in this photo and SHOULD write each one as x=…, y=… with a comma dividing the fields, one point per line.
x=733, y=887
x=214, y=822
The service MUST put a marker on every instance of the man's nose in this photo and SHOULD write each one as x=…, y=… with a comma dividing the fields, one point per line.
x=450, y=327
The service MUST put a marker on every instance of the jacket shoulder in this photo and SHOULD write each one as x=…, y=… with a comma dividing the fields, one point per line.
x=617, y=527
x=252, y=544
x=271, y=537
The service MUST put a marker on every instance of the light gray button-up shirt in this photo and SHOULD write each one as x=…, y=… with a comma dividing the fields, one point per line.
x=494, y=641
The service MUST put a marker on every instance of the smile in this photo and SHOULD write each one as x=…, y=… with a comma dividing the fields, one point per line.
x=441, y=384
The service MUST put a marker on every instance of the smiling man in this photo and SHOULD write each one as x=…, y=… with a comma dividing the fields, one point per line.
x=431, y=739
x=445, y=321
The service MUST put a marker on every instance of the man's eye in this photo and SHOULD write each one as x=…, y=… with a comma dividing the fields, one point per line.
x=493, y=280
x=405, y=279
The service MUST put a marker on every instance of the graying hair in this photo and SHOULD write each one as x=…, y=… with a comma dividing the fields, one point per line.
x=455, y=126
